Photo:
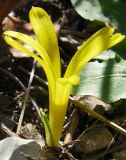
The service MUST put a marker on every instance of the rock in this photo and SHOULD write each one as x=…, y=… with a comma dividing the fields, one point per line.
x=93, y=139
x=15, y=148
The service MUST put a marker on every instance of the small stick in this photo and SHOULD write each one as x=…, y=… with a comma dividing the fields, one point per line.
x=72, y=127
x=98, y=116
x=26, y=98
x=42, y=81
x=7, y=131
x=22, y=86
x=68, y=153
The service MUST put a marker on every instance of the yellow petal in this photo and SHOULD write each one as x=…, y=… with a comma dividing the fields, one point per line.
x=45, y=66
x=31, y=42
x=46, y=36
x=96, y=44
x=73, y=80
x=19, y=46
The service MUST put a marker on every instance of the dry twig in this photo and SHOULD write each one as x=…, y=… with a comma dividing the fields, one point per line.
x=26, y=98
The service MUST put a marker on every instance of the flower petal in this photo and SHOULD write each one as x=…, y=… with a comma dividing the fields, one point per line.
x=45, y=66
x=73, y=80
x=100, y=41
x=31, y=42
x=46, y=36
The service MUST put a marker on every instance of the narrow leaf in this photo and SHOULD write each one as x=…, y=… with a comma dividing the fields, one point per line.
x=45, y=121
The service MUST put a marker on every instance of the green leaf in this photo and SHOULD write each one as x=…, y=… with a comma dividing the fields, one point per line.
x=110, y=11
x=45, y=122
x=121, y=49
x=108, y=54
x=106, y=80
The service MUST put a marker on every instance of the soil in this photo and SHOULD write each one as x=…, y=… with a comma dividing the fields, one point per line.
x=15, y=73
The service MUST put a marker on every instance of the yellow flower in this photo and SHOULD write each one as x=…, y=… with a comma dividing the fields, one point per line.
x=46, y=46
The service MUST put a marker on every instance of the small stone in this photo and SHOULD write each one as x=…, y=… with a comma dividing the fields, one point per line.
x=94, y=138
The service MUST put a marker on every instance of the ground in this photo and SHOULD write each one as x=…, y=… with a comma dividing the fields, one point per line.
x=83, y=136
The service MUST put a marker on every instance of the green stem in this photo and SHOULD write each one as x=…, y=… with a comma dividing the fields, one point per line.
x=98, y=116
